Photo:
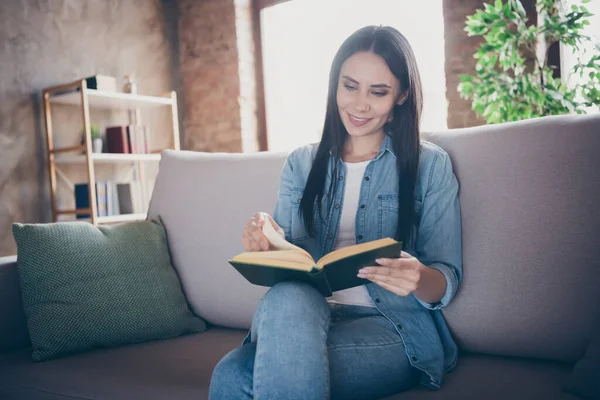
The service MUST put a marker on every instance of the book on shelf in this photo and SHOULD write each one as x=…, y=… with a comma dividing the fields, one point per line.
x=101, y=82
x=130, y=198
x=130, y=139
x=332, y=272
x=117, y=140
x=138, y=138
x=82, y=199
x=112, y=198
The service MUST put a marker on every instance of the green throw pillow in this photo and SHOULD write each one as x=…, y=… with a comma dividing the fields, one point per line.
x=88, y=287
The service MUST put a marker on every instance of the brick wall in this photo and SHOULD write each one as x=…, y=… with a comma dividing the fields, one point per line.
x=459, y=50
x=216, y=48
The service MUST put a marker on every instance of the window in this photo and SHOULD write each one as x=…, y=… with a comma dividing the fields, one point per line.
x=569, y=55
x=299, y=41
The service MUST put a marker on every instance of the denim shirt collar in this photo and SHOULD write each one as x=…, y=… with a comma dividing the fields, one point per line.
x=386, y=145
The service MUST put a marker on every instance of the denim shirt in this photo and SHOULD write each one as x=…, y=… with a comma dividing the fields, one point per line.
x=435, y=240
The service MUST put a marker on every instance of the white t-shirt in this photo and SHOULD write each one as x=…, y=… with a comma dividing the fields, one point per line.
x=347, y=234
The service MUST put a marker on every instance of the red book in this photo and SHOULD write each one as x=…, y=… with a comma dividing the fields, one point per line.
x=116, y=140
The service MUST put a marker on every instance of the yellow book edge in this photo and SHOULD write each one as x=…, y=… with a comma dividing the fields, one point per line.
x=294, y=257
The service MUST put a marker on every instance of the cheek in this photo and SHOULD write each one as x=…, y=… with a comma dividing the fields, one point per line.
x=343, y=99
x=383, y=107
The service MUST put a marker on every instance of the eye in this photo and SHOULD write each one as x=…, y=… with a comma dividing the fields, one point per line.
x=380, y=94
x=349, y=87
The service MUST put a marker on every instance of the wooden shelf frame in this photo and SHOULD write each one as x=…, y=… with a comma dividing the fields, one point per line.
x=77, y=94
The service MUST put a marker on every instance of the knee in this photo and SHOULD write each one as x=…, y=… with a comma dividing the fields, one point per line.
x=289, y=296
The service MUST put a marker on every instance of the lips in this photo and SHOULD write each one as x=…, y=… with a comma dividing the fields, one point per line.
x=358, y=122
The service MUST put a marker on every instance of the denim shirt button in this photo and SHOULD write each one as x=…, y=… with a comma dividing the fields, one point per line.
x=341, y=177
x=329, y=236
x=377, y=300
x=367, y=178
x=414, y=358
x=337, y=206
x=360, y=237
x=362, y=206
x=399, y=326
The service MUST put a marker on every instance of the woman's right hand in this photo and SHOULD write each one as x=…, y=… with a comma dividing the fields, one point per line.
x=253, y=238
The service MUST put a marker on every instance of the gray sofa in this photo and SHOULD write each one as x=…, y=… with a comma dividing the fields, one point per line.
x=522, y=317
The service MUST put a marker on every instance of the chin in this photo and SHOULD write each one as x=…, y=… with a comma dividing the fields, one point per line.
x=358, y=132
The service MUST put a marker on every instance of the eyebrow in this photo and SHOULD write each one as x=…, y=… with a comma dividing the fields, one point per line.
x=379, y=85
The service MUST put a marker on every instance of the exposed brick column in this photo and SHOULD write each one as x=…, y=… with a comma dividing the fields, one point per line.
x=459, y=48
x=213, y=119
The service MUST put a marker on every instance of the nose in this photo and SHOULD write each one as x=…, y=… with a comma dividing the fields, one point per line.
x=362, y=104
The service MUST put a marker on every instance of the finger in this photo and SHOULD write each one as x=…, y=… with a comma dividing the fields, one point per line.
x=398, y=290
x=404, y=254
x=260, y=219
x=249, y=244
x=252, y=224
x=392, y=262
x=260, y=239
x=394, y=281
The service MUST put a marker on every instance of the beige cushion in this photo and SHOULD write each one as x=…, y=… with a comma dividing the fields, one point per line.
x=204, y=201
x=529, y=194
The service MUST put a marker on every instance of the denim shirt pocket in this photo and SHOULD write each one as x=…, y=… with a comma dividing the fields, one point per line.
x=387, y=214
x=298, y=231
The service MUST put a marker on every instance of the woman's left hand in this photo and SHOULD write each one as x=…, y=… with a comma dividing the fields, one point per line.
x=398, y=275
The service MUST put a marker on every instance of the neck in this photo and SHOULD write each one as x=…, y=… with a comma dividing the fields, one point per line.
x=362, y=148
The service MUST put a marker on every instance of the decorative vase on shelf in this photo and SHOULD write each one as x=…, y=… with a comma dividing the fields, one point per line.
x=130, y=84
x=97, y=145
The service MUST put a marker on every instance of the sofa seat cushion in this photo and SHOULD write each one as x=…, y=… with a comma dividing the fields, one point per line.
x=181, y=368
x=178, y=368
x=479, y=376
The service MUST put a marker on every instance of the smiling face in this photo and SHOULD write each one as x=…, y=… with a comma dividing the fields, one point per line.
x=366, y=94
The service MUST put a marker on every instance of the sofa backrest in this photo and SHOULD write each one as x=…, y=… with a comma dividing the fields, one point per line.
x=204, y=201
x=528, y=193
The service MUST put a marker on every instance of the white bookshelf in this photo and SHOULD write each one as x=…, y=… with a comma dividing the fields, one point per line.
x=77, y=94
x=106, y=158
x=122, y=218
x=111, y=100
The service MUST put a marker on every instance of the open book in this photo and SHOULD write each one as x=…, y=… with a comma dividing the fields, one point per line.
x=332, y=272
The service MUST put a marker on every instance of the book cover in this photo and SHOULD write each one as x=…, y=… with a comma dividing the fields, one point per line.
x=101, y=200
x=101, y=82
x=334, y=271
x=117, y=140
x=82, y=199
x=125, y=198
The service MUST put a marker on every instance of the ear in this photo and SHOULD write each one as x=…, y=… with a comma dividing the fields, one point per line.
x=402, y=98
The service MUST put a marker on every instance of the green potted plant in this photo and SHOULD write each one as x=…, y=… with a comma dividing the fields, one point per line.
x=97, y=139
x=513, y=80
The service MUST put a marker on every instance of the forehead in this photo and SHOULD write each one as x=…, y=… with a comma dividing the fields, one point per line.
x=368, y=68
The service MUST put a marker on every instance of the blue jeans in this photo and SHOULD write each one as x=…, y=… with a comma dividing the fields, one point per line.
x=303, y=348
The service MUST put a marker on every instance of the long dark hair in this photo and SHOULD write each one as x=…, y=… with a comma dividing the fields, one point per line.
x=395, y=50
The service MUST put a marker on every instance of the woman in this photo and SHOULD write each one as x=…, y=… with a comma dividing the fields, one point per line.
x=370, y=177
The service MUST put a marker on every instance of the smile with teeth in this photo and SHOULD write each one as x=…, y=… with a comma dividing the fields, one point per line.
x=358, y=121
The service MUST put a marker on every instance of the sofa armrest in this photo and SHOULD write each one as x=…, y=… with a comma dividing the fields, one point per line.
x=13, y=325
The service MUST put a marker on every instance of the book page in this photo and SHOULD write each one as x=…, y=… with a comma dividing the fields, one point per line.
x=277, y=241
x=279, y=258
x=352, y=250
